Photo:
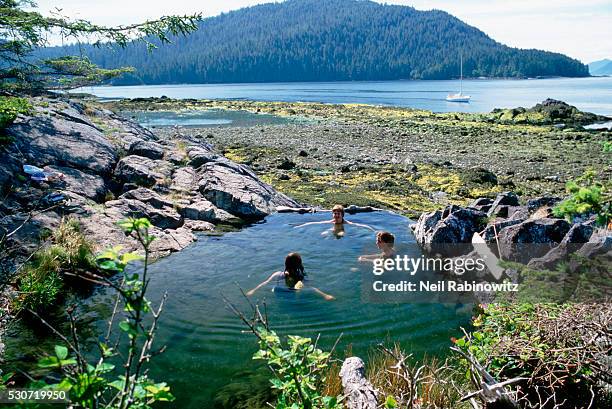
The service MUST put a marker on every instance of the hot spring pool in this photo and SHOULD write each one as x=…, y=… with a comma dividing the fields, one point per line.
x=206, y=349
x=205, y=343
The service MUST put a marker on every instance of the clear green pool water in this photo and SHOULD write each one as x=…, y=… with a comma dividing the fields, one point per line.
x=206, y=348
x=205, y=343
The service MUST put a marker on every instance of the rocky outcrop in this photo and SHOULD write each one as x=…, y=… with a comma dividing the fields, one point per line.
x=53, y=137
x=521, y=233
x=577, y=235
x=181, y=184
x=151, y=150
x=453, y=225
x=236, y=189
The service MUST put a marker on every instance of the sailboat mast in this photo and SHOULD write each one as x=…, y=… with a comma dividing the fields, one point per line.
x=461, y=77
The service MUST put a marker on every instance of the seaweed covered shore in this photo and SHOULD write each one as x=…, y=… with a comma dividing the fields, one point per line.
x=400, y=158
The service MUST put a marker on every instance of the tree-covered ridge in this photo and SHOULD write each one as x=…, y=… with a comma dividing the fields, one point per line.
x=326, y=40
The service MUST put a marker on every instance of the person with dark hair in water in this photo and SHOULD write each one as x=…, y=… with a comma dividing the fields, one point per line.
x=385, y=242
x=338, y=221
x=293, y=276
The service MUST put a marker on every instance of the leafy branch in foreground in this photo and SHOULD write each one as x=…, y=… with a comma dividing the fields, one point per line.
x=22, y=30
x=298, y=365
x=101, y=384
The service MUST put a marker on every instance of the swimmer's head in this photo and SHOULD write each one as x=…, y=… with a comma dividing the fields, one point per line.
x=294, y=266
x=385, y=239
x=338, y=214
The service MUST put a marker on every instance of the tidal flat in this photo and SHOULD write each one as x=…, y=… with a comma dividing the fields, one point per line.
x=399, y=158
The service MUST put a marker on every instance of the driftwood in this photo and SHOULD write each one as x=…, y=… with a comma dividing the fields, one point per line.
x=359, y=392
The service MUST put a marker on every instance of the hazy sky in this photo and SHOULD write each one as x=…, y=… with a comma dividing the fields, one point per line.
x=581, y=29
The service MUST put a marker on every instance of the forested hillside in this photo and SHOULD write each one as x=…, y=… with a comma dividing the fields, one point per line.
x=327, y=40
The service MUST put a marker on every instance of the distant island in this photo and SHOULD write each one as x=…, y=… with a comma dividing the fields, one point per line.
x=601, y=67
x=328, y=40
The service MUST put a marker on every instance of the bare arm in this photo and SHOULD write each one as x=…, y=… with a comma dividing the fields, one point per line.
x=311, y=223
x=328, y=297
x=369, y=257
x=251, y=292
x=360, y=225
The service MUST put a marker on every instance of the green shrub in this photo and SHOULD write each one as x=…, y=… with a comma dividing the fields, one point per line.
x=299, y=368
x=41, y=281
x=587, y=197
x=10, y=107
x=116, y=375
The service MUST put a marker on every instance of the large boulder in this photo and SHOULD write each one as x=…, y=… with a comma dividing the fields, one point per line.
x=147, y=149
x=204, y=210
x=142, y=171
x=532, y=238
x=236, y=189
x=60, y=140
x=147, y=196
x=200, y=155
x=453, y=225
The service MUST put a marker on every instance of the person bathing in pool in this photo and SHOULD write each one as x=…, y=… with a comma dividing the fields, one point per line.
x=338, y=221
x=293, y=276
x=385, y=242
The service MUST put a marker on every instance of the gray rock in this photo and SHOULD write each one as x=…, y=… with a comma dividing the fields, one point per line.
x=488, y=234
x=170, y=241
x=598, y=245
x=147, y=149
x=535, y=204
x=236, y=189
x=81, y=183
x=359, y=392
x=577, y=235
x=531, y=239
x=184, y=180
x=206, y=211
x=165, y=217
x=142, y=171
x=478, y=203
x=453, y=225
x=505, y=198
x=199, y=156
x=148, y=196
x=60, y=141
x=198, y=225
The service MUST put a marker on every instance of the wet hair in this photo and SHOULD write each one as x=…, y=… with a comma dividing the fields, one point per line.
x=294, y=266
x=385, y=237
x=338, y=207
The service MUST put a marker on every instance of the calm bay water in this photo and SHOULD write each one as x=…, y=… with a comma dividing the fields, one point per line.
x=589, y=94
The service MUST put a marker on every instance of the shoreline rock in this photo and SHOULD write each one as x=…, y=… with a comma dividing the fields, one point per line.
x=114, y=168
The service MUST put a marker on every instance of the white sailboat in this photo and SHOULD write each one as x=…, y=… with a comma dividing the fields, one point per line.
x=459, y=97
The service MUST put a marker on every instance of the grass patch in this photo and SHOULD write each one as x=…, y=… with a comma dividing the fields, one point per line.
x=41, y=282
